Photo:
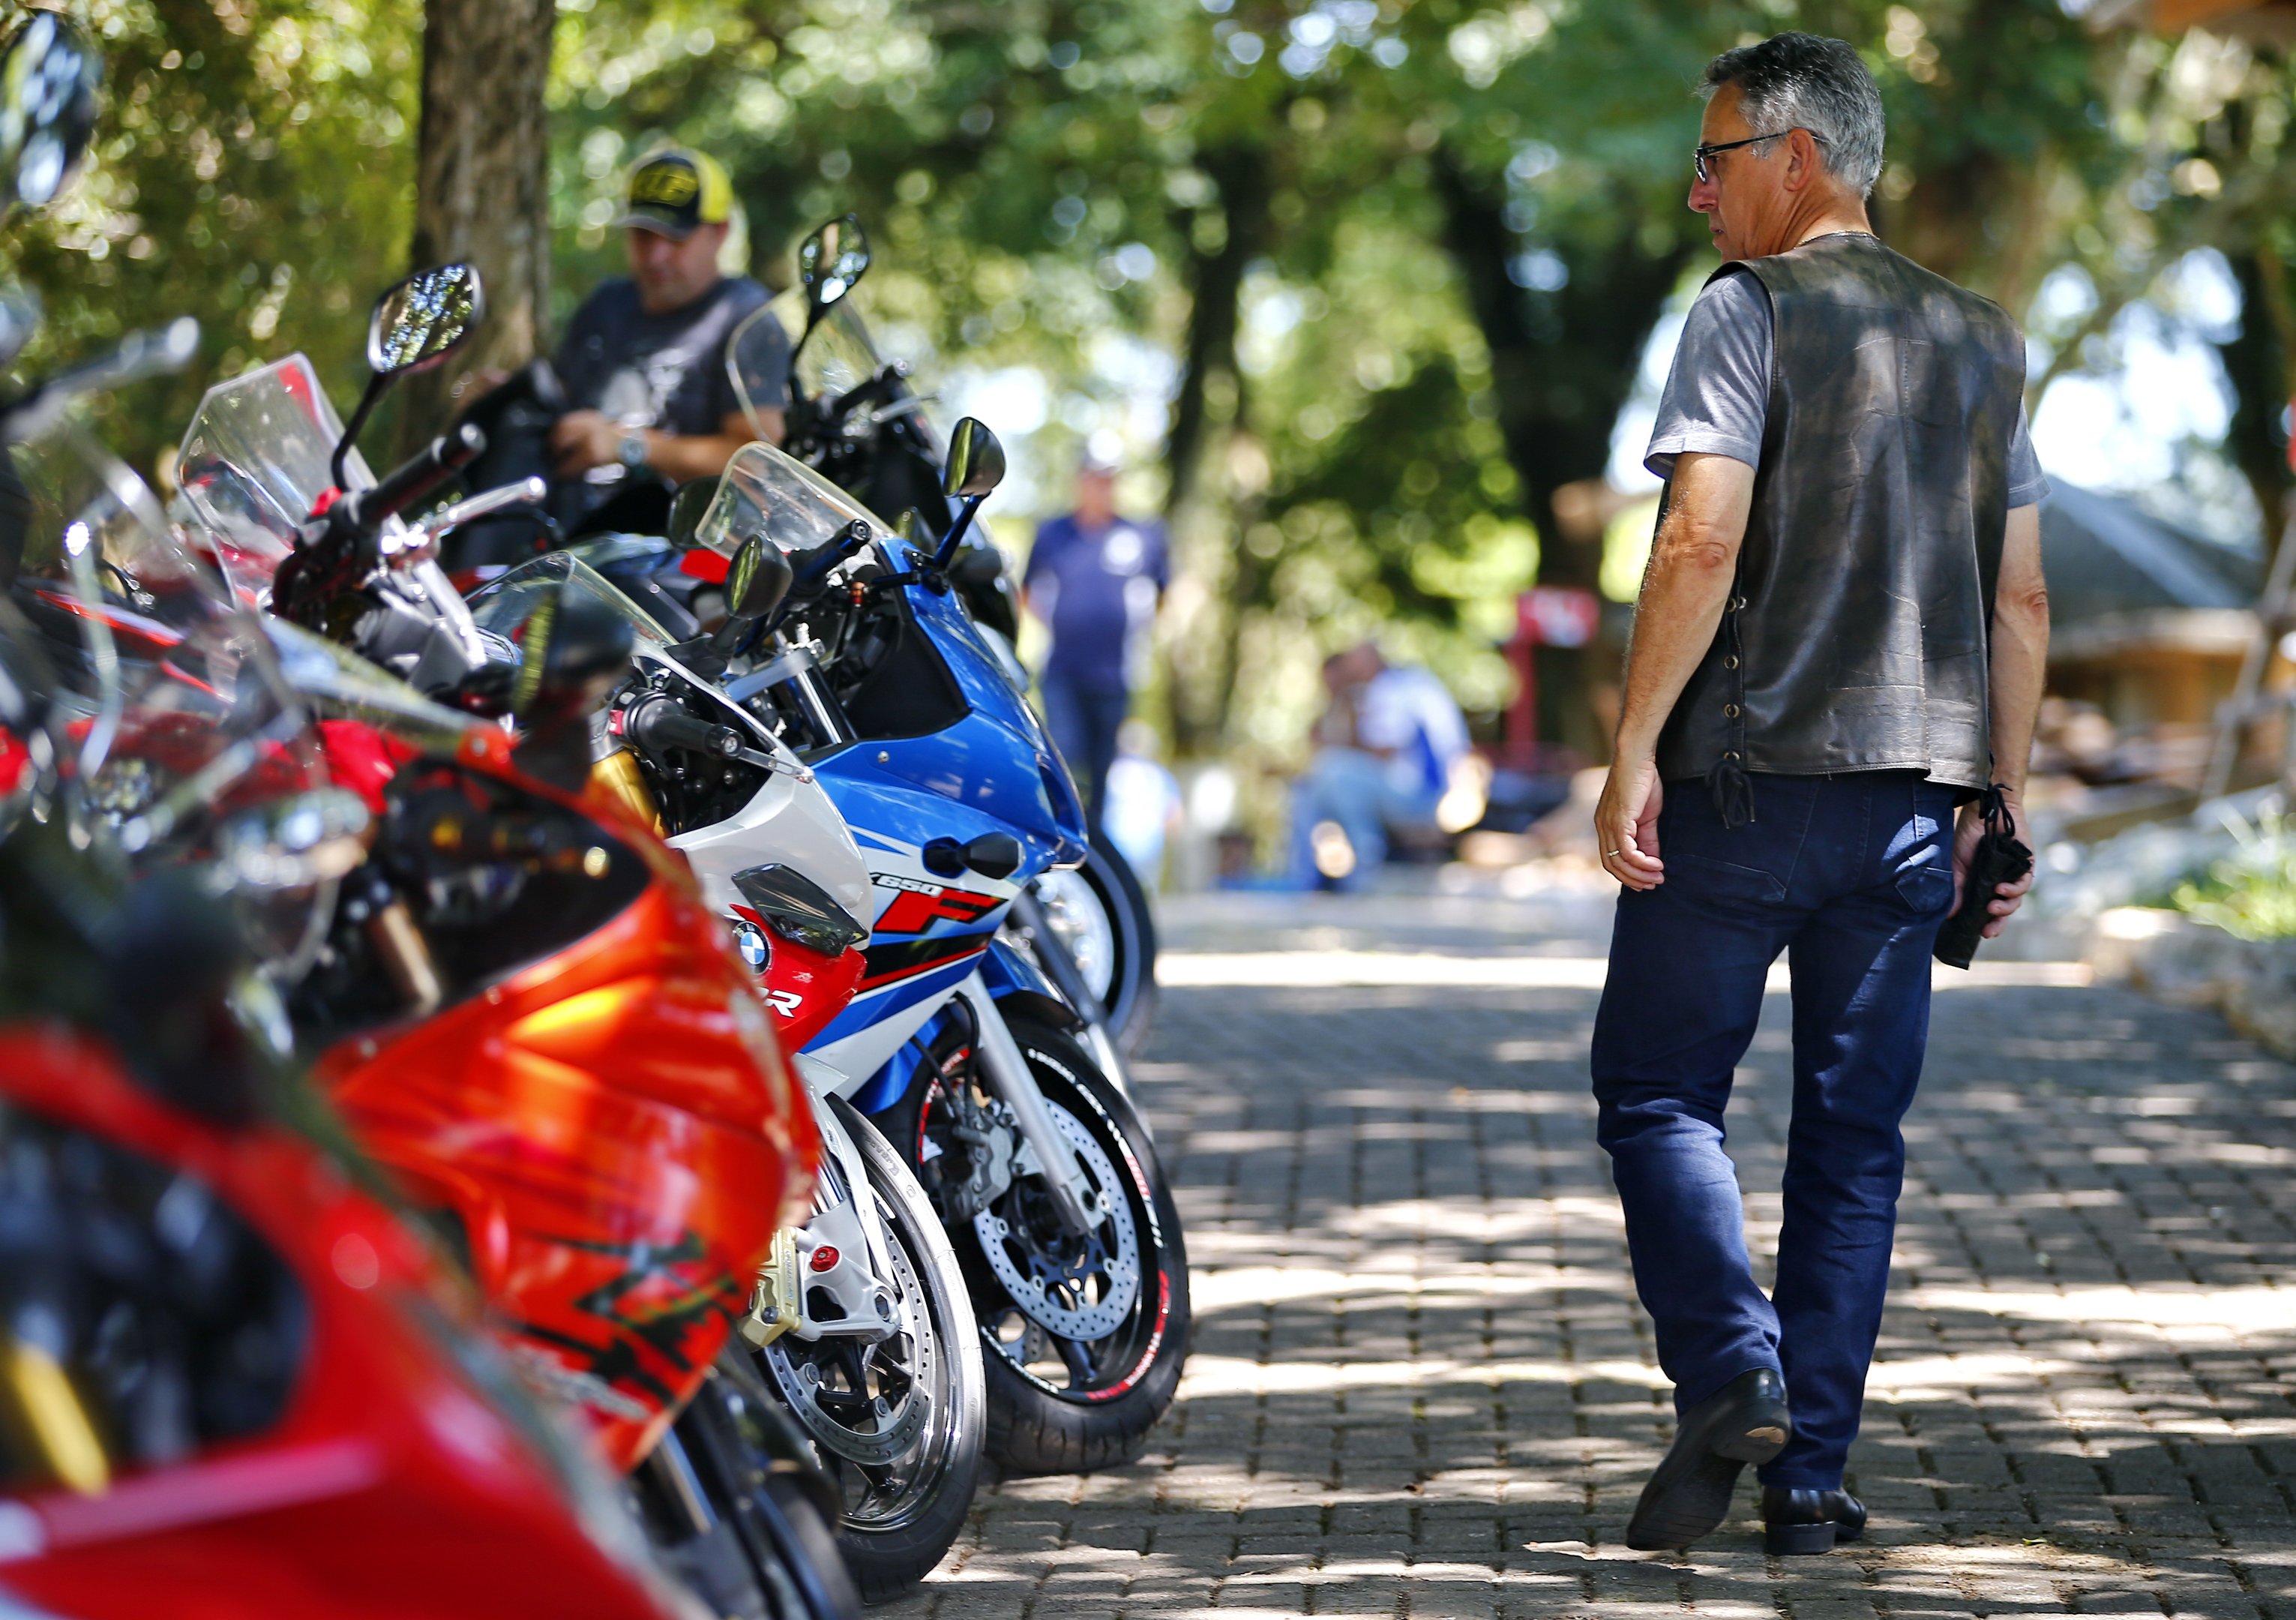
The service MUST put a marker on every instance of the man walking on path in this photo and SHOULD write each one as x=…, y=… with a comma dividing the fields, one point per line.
x=1840, y=638
x=1095, y=578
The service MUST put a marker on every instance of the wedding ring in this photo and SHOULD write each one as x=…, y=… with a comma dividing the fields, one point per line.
x=1608, y=853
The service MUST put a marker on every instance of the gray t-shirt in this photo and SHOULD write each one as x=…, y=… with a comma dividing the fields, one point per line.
x=1718, y=396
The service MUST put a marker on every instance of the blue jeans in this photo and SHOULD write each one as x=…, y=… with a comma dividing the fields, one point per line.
x=1850, y=877
x=1084, y=720
x=1352, y=787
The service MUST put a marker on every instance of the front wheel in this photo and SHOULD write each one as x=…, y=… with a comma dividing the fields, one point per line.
x=1084, y=1335
x=898, y=1423
x=1102, y=915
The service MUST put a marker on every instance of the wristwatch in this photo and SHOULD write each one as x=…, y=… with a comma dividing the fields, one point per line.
x=632, y=451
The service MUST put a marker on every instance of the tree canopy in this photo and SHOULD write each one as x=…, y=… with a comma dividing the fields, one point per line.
x=1369, y=280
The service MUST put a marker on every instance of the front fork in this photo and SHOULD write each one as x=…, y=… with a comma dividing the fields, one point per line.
x=1052, y=952
x=1007, y=1073
x=842, y=1251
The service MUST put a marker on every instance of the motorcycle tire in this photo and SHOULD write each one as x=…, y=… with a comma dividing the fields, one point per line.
x=896, y=1527
x=1072, y=1404
x=768, y=1553
x=1102, y=914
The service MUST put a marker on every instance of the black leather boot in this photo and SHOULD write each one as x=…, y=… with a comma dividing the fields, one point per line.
x=1808, y=1521
x=1746, y=1421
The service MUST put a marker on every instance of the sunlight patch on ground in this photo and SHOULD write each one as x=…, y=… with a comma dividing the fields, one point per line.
x=1396, y=969
x=1243, y=1287
x=1942, y=1377
x=1482, y=1220
x=1212, y=1375
x=2163, y=1310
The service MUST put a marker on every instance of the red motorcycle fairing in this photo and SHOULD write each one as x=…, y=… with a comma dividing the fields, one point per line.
x=803, y=988
x=389, y=1485
x=614, y=1128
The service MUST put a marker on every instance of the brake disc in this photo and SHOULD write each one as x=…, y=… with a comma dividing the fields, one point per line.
x=893, y=1429
x=1041, y=1280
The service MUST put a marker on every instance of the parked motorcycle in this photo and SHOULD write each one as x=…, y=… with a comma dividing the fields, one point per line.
x=965, y=1053
x=525, y=1012
x=854, y=417
x=860, y=1323
x=227, y=1371
x=986, y=796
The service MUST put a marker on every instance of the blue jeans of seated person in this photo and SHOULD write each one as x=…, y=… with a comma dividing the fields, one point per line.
x=1352, y=786
x=1850, y=877
x=1084, y=720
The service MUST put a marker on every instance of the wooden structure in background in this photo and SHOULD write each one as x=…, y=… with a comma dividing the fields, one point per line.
x=2261, y=21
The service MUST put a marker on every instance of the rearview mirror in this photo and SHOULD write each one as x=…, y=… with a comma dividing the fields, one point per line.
x=758, y=580
x=419, y=320
x=687, y=507
x=48, y=81
x=976, y=460
x=414, y=327
x=830, y=260
x=756, y=584
x=976, y=465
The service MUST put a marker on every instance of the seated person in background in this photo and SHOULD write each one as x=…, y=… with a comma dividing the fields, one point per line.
x=1383, y=763
x=644, y=360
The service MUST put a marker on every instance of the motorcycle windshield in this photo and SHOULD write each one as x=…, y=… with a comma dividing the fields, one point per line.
x=778, y=498
x=337, y=684
x=511, y=606
x=839, y=357
x=255, y=463
x=520, y=608
x=181, y=737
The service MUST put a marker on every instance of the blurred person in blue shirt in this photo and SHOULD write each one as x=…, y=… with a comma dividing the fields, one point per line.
x=1095, y=578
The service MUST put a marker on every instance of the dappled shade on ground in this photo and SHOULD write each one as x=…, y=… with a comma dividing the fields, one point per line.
x=1420, y=1385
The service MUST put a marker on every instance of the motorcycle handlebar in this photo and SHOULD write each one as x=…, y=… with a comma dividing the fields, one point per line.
x=658, y=723
x=419, y=476
x=808, y=568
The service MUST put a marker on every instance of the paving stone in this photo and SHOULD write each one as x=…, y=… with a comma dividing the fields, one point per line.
x=2085, y=1400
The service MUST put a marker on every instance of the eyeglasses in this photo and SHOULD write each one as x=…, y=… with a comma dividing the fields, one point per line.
x=1700, y=155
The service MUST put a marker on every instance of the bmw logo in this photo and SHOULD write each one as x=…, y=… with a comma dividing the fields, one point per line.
x=751, y=943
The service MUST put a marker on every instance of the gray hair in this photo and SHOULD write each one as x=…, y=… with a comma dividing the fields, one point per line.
x=1805, y=81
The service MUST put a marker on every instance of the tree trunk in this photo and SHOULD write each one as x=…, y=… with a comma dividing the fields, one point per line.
x=1215, y=287
x=2260, y=363
x=483, y=180
x=1563, y=364
x=1201, y=685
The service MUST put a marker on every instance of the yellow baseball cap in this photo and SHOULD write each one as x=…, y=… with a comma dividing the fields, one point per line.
x=675, y=191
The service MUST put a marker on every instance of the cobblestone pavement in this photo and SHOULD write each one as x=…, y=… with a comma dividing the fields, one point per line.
x=1420, y=1385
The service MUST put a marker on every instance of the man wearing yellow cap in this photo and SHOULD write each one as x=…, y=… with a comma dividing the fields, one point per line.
x=644, y=360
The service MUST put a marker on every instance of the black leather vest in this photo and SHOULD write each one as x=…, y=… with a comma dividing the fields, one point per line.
x=1856, y=634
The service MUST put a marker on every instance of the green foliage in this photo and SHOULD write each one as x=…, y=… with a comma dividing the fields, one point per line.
x=1074, y=190
x=253, y=167
x=2251, y=895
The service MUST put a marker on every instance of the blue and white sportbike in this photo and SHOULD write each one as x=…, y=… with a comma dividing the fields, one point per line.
x=958, y=1046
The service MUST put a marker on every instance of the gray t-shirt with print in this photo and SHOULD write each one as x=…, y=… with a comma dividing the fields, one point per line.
x=1718, y=396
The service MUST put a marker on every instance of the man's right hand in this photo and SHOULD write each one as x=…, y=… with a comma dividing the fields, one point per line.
x=1625, y=823
x=583, y=440
x=2006, y=897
